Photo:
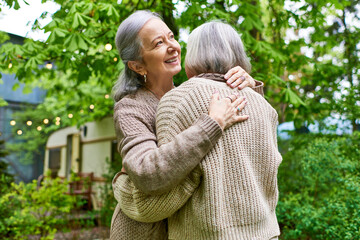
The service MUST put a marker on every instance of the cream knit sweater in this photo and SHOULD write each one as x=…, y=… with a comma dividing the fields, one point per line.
x=233, y=193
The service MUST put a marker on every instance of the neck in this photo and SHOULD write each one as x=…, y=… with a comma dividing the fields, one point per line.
x=160, y=88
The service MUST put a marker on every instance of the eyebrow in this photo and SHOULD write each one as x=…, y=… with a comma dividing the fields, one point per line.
x=160, y=37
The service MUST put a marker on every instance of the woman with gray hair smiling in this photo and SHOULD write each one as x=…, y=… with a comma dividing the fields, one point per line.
x=151, y=58
x=232, y=193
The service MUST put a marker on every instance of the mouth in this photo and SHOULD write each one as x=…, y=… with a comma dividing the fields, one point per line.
x=172, y=60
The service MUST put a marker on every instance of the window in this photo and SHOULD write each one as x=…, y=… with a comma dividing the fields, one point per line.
x=54, y=158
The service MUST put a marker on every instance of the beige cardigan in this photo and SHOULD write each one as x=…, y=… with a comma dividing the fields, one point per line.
x=232, y=194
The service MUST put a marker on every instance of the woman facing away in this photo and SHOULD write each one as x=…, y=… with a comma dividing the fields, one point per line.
x=151, y=57
x=232, y=193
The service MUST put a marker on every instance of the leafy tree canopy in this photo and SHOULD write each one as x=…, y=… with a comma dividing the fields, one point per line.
x=306, y=52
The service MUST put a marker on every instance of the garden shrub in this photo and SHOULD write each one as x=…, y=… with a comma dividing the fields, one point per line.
x=28, y=211
x=107, y=195
x=5, y=177
x=319, y=184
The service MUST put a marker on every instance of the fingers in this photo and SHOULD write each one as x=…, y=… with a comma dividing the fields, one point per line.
x=241, y=105
x=236, y=79
x=249, y=82
x=238, y=102
x=241, y=118
x=232, y=71
x=215, y=96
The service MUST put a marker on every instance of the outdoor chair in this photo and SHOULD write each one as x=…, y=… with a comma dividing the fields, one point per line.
x=82, y=186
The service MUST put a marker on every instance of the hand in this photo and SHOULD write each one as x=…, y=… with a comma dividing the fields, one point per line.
x=225, y=111
x=237, y=77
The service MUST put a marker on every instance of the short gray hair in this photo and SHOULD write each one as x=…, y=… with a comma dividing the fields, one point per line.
x=215, y=47
x=129, y=46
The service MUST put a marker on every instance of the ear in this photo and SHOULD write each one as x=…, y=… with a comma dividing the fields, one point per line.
x=136, y=67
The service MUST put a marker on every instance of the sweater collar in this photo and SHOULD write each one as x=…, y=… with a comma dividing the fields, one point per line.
x=213, y=76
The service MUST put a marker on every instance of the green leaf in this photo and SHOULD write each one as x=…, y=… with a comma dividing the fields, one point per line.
x=56, y=34
x=3, y=103
x=78, y=20
x=292, y=98
x=27, y=89
x=15, y=86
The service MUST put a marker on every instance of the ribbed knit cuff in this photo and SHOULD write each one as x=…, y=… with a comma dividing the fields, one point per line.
x=259, y=87
x=211, y=127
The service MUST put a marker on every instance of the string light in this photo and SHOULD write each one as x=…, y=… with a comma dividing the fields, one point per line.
x=29, y=123
x=49, y=65
x=12, y=122
x=46, y=121
x=19, y=132
x=82, y=111
x=57, y=123
x=10, y=65
x=107, y=96
x=57, y=119
x=70, y=115
x=39, y=128
x=115, y=59
x=108, y=47
x=92, y=106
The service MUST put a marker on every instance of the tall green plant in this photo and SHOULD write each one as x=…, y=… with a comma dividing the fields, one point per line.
x=27, y=210
x=319, y=185
x=5, y=177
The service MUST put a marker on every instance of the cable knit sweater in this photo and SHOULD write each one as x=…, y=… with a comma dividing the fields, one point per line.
x=154, y=170
x=232, y=194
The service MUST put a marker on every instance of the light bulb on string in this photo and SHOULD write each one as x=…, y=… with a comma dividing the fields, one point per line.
x=108, y=47
x=49, y=65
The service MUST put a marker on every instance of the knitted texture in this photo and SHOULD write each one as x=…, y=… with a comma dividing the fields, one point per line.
x=124, y=228
x=152, y=169
x=156, y=170
x=234, y=190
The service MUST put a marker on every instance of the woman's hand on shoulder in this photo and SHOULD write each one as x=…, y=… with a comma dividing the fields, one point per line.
x=238, y=77
x=226, y=110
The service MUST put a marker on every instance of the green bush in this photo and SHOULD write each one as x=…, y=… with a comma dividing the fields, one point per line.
x=319, y=184
x=27, y=210
x=107, y=195
x=5, y=177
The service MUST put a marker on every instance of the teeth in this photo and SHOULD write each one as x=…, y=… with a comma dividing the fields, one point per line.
x=171, y=60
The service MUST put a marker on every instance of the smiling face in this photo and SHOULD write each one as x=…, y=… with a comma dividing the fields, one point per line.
x=161, y=53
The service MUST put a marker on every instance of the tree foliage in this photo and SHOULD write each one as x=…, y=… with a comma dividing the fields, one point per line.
x=302, y=87
x=319, y=185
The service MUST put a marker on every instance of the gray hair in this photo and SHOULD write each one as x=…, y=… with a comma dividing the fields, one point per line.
x=215, y=47
x=129, y=46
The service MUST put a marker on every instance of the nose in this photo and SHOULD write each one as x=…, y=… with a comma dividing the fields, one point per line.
x=173, y=46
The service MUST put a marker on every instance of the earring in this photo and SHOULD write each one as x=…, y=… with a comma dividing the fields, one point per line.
x=145, y=78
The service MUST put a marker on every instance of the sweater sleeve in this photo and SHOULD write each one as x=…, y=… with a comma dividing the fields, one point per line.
x=152, y=208
x=155, y=170
x=171, y=119
x=259, y=87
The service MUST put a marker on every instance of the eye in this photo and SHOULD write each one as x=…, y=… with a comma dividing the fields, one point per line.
x=158, y=43
x=171, y=36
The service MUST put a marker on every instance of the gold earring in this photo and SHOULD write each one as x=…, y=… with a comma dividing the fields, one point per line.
x=145, y=78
